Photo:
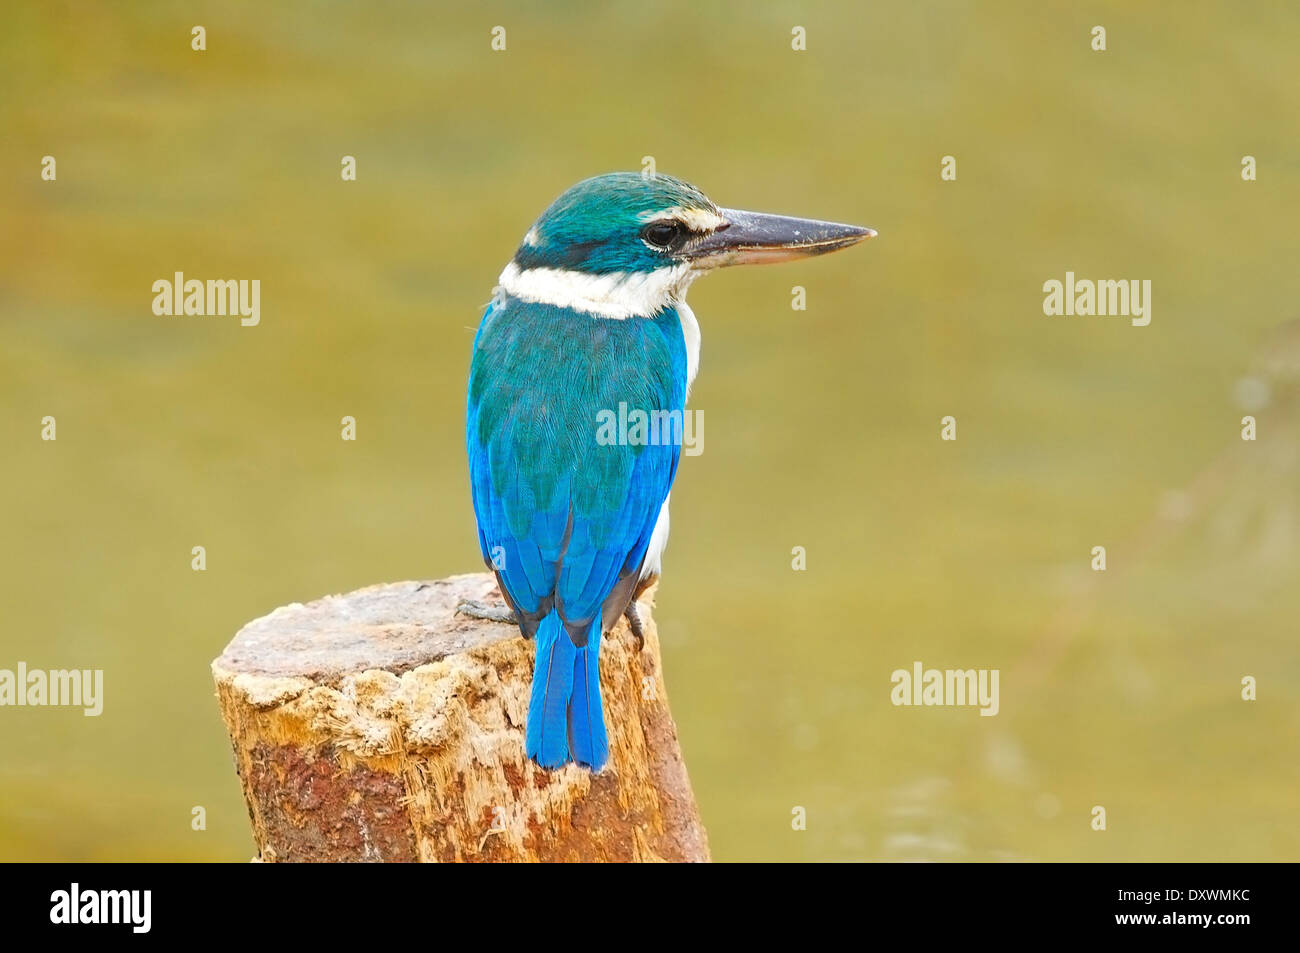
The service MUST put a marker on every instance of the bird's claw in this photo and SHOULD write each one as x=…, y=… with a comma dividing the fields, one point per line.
x=634, y=622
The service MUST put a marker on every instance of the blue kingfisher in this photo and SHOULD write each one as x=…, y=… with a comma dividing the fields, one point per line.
x=589, y=318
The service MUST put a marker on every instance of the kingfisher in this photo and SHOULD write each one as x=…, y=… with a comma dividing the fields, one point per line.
x=588, y=318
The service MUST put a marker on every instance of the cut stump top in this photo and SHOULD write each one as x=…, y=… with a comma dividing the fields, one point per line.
x=393, y=626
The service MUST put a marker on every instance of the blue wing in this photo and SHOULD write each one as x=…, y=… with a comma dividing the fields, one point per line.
x=564, y=516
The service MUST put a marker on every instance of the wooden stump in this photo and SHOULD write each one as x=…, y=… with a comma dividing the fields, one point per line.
x=382, y=726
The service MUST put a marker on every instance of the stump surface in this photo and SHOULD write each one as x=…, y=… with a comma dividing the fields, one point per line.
x=381, y=725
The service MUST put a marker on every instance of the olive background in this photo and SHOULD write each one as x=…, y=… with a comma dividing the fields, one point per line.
x=822, y=427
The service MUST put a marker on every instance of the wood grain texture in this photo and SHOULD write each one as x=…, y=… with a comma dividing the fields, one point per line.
x=382, y=726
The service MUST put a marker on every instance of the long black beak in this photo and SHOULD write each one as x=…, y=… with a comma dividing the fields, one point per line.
x=755, y=238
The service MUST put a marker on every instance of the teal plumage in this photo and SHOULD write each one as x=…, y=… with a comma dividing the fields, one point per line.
x=588, y=227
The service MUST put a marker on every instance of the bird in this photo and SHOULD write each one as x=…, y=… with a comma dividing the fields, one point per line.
x=590, y=315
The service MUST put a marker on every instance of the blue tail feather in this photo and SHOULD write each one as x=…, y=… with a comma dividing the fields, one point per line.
x=587, y=741
x=565, y=718
x=547, y=736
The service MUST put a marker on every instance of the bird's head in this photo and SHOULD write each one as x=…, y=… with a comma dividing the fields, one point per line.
x=627, y=245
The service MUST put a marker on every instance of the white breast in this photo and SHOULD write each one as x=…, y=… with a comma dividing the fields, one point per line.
x=691, y=334
x=654, y=553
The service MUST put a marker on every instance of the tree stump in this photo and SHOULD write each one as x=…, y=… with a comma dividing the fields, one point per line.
x=383, y=726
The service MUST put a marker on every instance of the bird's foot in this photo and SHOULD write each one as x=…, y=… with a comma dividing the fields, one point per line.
x=480, y=610
x=633, y=617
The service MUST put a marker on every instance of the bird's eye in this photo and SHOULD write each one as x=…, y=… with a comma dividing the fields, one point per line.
x=663, y=234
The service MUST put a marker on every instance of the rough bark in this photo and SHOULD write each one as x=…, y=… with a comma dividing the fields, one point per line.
x=382, y=726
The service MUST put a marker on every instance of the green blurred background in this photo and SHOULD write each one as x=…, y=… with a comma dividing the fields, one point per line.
x=822, y=427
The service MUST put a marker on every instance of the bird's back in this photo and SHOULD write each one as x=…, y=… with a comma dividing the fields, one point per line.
x=542, y=379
